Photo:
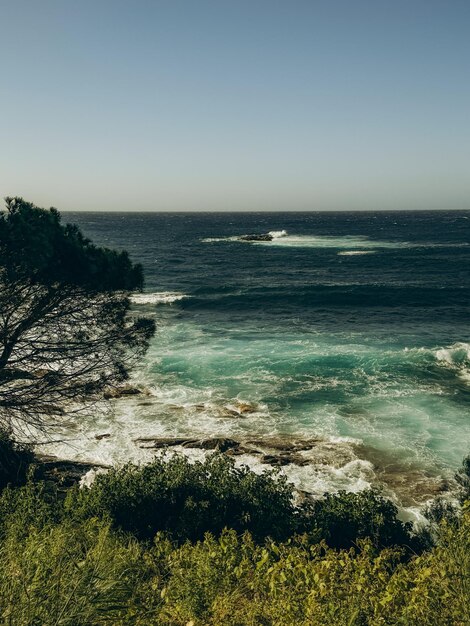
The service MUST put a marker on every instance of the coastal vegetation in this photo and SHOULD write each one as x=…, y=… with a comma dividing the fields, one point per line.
x=175, y=543
x=131, y=550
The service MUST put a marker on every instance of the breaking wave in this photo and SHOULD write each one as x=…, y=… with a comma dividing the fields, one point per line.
x=355, y=252
x=349, y=243
x=457, y=355
x=159, y=297
x=278, y=234
x=456, y=358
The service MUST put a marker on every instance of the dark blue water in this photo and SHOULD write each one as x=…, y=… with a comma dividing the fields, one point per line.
x=351, y=327
x=419, y=270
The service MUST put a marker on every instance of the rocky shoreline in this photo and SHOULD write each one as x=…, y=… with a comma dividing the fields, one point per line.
x=319, y=454
x=62, y=472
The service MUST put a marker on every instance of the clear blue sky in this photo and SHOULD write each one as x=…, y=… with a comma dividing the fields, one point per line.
x=235, y=105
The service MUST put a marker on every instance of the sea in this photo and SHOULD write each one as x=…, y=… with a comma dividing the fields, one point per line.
x=347, y=337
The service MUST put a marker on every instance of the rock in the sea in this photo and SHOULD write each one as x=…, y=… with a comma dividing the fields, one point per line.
x=285, y=445
x=102, y=436
x=165, y=442
x=275, y=461
x=63, y=473
x=222, y=444
x=218, y=443
x=265, y=237
x=124, y=390
x=279, y=460
x=245, y=407
x=239, y=409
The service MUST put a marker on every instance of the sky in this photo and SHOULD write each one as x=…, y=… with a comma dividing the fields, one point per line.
x=205, y=105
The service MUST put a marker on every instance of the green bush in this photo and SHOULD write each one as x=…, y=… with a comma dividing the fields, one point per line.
x=190, y=499
x=15, y=459
x=341, y=519
x=234, y=582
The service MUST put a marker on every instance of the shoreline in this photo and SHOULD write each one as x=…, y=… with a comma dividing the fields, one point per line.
x=409, y=488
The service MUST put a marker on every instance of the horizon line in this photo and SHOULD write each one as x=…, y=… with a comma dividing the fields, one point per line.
x=197, y=211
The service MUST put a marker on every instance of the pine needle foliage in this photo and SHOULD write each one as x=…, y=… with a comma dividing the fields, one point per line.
x=65, y=329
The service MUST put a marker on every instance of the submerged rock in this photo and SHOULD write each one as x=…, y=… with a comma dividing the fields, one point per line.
x=265, y=237
x=102, y=436
x=239, y=409
x=286, y=458
x=125, y=390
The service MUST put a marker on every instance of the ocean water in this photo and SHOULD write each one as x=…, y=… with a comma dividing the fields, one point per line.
x=348, y=328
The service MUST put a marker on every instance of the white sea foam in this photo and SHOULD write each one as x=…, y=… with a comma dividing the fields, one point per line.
x=456, y=358
x=324, y=241
x=456, y=355
x=194, y=405
x=89, y=478
x=159, y=297
x=278, y=234
x=355, y=252
x=283, y=238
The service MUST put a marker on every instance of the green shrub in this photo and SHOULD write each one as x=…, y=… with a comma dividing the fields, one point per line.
x=15, y=459
x=189, y=499
x=341, y=519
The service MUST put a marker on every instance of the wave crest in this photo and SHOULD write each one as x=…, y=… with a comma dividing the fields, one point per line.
x=278, y=234
x=159, y=297
x=457, y=355
x=456, y=358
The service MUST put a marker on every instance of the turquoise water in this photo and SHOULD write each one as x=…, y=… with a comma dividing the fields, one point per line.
x=348, y=328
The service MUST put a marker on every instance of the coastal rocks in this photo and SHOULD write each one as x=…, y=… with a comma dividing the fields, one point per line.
x=113, y=393
x=313, y=462
x=221, y=444
x=264, y=237
x=285, y=446
x=285, y=458
x=165, y=442
x=282, y=452
x=275, y=453
x=63, y=473
x=239, y=409
x=235, y=409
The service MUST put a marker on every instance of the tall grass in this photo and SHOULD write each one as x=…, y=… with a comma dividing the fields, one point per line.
x=77, y=574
